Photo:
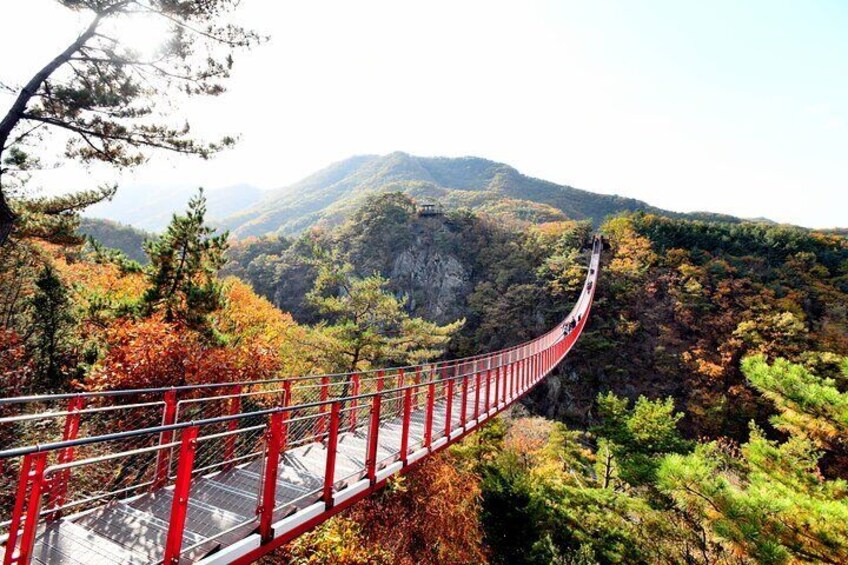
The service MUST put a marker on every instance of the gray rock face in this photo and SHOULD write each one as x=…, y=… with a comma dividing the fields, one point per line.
x=437, y=284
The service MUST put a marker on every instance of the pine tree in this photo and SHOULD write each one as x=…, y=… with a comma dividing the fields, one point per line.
x=102, y=95
x=183, y=266
x=770, y=501
x=51, y=323
x=368, y=324
x=637, y=438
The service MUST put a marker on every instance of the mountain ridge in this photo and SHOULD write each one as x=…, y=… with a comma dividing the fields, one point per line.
x=329, y=195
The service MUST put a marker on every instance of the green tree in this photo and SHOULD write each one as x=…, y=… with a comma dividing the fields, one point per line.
x=770, y=501
x=369, y=325
x=809, y=406
x=544, y=503
x=52, y=323
x=640, y=436
x=102, y=95
x=183, y=266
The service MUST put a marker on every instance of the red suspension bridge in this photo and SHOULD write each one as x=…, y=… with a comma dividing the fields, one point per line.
x=224, y=473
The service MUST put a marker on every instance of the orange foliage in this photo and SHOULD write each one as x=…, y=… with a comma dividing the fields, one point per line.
x=15, y=365
x=554, y=229
x=145, y=353
x=527, y=437
x=261, y=327
x=103, y=279
x=153, y=353
x=429, y=517
x=261, y=343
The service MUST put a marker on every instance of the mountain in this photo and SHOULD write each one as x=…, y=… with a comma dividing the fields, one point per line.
x=150, y=207
x=117, y=236
x=334, y=192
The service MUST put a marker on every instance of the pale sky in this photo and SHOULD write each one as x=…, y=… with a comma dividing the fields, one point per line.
x=726, y=106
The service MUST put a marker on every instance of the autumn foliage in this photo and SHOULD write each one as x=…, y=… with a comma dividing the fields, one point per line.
x=16, y=368
x=256, y=342
x=428, y=517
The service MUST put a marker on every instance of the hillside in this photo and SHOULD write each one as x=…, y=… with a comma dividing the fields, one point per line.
x=682, y=301
x=113, y=235
x=662, y=463
x=330, y=195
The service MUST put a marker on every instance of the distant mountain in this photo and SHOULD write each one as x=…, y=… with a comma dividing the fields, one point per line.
x=332, y=193
x=151, y=207
x=117, y=236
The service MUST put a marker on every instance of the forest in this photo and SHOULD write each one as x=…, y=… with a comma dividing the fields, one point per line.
x=701, y=418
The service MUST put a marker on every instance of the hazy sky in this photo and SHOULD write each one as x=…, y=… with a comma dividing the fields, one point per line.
x=727, y=106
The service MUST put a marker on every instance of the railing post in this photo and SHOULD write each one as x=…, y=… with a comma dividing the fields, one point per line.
x=417, y=382
x=516, y=378
x=381, y=380
x=321, y=422
x=534, y=369
x=448, y=387
x=404, y=433
x=287, y=393
x=373, y=437
x=354, y=379
x=519, y=376
x=274, y=439
x=18, y=509
x=332, y=448
x=163, y=457
x=33, y=511
x=487, y=402
x=478, y=378
x=516, y=389
x=398, y=403
x=522, y=383
x=536, y=364
x=463, y=414
x=284, y=426
x=59, y=488
x=525, y=373
x=27, y=501
x=504, y=365
x=230, y=441
x=179, y=504
x=428, y=419
x=497, y=385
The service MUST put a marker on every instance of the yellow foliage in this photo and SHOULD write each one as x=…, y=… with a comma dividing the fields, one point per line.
x=88, y=278
x=633, y=253
x=253, y=322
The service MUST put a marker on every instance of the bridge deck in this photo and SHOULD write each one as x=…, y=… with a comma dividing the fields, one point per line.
x=135, y=530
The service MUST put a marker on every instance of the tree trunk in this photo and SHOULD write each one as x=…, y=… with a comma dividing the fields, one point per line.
x=7, y=219
x=16, y=112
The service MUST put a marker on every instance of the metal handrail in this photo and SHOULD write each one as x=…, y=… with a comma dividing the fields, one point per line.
x=53, y=446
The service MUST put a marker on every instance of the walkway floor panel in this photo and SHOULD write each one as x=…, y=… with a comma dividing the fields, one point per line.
x=64, y=542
